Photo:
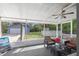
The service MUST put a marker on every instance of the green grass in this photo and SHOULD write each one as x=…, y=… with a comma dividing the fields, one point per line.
x=33, y=35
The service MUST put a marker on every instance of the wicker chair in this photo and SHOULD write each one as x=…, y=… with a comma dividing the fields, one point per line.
x=48, y=41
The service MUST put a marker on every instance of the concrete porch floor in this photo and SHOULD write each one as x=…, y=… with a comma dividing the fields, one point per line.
x=29, y=51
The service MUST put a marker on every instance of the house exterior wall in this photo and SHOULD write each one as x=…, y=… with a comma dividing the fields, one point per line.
x=14, y=30
x=77, y=5
x=17, y=29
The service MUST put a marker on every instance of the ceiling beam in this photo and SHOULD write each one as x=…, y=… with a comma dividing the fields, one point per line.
x=69, y=6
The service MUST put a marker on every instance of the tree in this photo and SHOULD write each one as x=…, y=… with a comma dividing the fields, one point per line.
x=36, y=28
x=66, y=27
x=4, y=27
x=51, y=26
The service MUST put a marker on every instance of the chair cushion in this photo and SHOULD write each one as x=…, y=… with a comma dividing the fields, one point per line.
x=57, y=40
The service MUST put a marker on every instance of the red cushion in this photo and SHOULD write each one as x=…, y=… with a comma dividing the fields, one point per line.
x=57, y=40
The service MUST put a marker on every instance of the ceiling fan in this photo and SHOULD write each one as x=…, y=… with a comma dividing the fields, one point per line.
x=62, y=14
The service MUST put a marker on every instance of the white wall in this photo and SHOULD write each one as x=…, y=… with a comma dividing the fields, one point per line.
x=0, y=29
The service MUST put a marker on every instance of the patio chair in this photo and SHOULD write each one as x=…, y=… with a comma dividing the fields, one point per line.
x=4, y=44
x=48, y=41
x=70, y=45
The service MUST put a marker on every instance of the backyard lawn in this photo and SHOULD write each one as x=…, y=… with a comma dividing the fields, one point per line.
x=32, y=35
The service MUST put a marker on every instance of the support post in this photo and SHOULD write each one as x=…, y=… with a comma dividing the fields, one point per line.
x=0, y=28
x=44, y=27
x=71, y=29
x=44, y=30
x=61, y=30
x=22, y=31
x=56, y=30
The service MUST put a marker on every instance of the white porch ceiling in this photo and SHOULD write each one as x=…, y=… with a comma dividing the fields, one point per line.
x=35, y=12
